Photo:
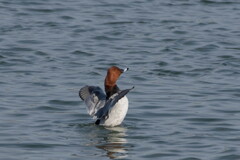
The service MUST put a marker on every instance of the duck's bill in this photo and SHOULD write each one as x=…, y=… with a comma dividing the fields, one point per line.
x=125, y=69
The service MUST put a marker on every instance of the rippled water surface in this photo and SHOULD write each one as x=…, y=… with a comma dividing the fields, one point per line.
x=184, y=60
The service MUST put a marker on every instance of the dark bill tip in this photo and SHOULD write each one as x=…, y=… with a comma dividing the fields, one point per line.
x=124, y=70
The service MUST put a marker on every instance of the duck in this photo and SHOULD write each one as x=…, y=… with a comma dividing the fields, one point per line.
x=110, y=108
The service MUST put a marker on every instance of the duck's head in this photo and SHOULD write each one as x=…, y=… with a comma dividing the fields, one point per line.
x=112, y=76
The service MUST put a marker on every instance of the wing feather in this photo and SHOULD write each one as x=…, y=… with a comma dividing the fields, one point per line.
x=94, y=98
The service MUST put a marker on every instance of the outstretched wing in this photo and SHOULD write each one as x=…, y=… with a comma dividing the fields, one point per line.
x=94, y=98
x=103, y=112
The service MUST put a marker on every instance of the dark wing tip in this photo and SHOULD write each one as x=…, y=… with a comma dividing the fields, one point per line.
x=88, y=90
x=97, y=122
x=121, y=94
x=84, y=92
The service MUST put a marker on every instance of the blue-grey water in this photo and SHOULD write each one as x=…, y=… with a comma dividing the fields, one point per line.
x=184, y=60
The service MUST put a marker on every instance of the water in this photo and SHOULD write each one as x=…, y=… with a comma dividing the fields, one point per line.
x=184, y=60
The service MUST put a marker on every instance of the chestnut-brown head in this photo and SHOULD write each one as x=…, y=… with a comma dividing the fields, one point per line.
x=112, y=76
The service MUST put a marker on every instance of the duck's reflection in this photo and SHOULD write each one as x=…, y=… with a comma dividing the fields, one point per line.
x=114, y=142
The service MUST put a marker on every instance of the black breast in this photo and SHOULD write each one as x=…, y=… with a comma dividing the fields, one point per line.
x=112, y=91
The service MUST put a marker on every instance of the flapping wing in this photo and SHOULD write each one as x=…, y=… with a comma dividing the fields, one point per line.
x=93, y=97
x=103, y=112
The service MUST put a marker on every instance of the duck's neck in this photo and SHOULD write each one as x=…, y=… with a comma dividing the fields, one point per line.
x=110, y=90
